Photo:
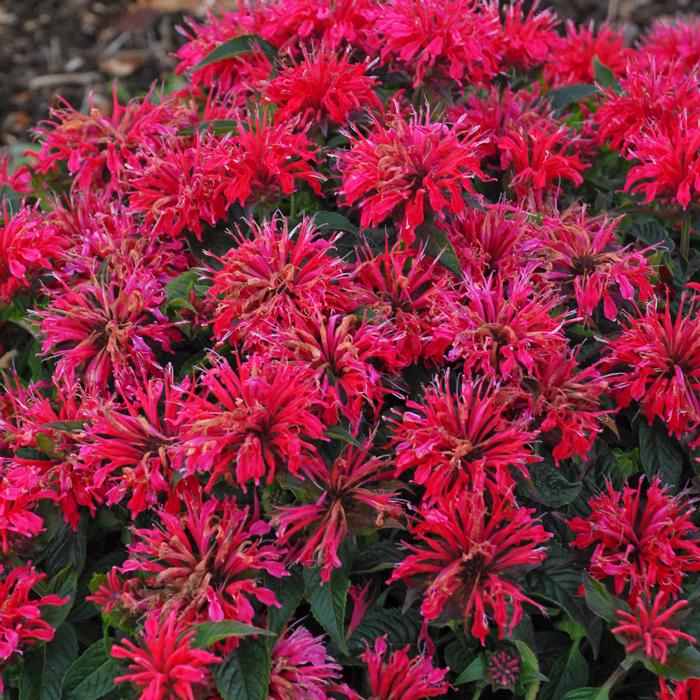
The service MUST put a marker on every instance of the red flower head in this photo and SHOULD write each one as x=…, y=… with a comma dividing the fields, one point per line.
x=640, y=546
x=107, y=328
x=657, y=363
x=21, y=625
x=403, y=167
x=673, y=43
x=588, y=266
x=351, y=494
x=397, y=676
x=248, y=422
x=669, y=168
x=504, y=328
x=469, y=551
x=572, y=57
x=649, y=630
x=301, y=667
x=410, y=291
x=204, y=563
x=275, y=279
x=164, y=665
x=455, y=435
x=130, y=448
x=437, y=41
x=29, y=244
x=324, y=87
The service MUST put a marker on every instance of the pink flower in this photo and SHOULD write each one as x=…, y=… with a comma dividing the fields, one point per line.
x=204, y=563
x=301, y=667
x=640, y=541
x=656, y=360
x=437, y=41
x=323, y=88
x=674, y=43
x=403, y=168
x=249, y=422
x=21, y=625
x=276, y=279
x=352, y=494
x=650, y=629
x=455, y=435
x=164, y=665
x=397, y=676
x=469, y=550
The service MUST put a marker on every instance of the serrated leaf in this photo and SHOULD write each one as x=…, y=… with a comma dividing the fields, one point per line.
x=67, y=548
x=679, y=666
x=207, y=633
x=328, y=601
x=245, y=674
x=91, y=676
x=43, y=669
x=605, y=77
x=651, y=232
x=476, y=671
x=401, y=628
x=660, y=454
x=380, y=556
x=238, y=46
x=289, y=592
x=549, y=486
x=332, y=221
x=564, y=96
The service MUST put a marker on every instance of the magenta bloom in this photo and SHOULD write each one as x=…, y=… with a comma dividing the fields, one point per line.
x=455, y=435
x=674, y=43
x=164, y=665
x=352, y=494
x=642, y=540
x=405, y=169
x=469, y=551
x=249, y=422
x=650, y=629
x=301, y=667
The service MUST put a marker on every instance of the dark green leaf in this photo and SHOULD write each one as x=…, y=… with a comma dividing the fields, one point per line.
x=679, y=666
x=380, y=556
x=214, y=126
x=206, y=633
x=599, y=599
x=333, y=221
x=569, y=672
x=651, y=232
x=401, y=628
x=548, y=485
x=660, y=454
x=63, y=584
x=587, y=694
x=439, y=248
x=43, y=668
x=91, y=676
x=289, y=592
x=476, y=671
x=245, y=674
x=337, y=432
x=565, y=96
x=605, y=77
x=67, y=548
x=237, y=46
x=327, y=601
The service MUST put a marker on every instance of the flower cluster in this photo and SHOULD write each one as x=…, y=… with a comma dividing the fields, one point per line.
x=364, y=364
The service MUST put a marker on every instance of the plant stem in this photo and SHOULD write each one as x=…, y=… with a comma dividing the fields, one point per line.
x=685, y=235
x=616, y=676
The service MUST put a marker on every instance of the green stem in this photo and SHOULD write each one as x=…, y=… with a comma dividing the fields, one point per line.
x=618, y=674
x=477, y=693
x=685, y=235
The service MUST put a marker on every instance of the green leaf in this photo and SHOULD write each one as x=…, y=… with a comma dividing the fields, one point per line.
x=67, y=548
x=651, y=232
x=214, y=126
x=177, y=291
x=605, y=77
x=587, y=694
x=328, y=601
x=334, y=221
x=238, y=46
x=568, y=672
x=206, y=633
x=91, y=676
x=401, y=628
x=43, y=669
x=599, y=599
x=476, y=671
x=439, y=248
x=245, y=675
x=289, y=592
x=337, y=432
x=679, y=666
x=565, y=96
x=381, y=556
x=530, y=676
x=660, y=454
x=549, y=486
x=63, y=584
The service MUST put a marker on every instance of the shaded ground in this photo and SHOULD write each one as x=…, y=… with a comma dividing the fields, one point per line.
x=75, y=47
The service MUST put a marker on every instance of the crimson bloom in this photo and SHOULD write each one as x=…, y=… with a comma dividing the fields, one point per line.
x=165, y=665
x=674, y=42
x=468, y=552
x=351, y=494
x=456, y=434
x=650, y=629
x=642, y=540
x=401, y=168
x=248, y=422
x=203, y=564
x=301, y=667
x=656, y=360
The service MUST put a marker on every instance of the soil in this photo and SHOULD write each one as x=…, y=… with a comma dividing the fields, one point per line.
x=78, y=48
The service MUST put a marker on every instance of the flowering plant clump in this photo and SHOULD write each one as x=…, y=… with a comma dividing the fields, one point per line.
x=362, y=364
